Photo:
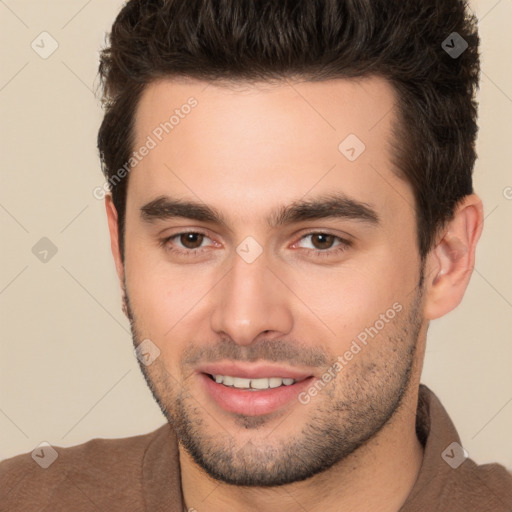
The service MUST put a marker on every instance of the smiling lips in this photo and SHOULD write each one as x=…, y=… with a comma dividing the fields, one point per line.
x=253, y=384
x=252, y=389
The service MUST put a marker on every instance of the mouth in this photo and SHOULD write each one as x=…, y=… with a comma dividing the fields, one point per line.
x=258, y=384
x=253, y=396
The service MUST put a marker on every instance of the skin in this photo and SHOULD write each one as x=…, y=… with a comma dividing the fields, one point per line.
x=247, y=150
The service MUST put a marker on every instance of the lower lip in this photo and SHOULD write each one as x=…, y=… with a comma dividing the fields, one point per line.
x=253, y=403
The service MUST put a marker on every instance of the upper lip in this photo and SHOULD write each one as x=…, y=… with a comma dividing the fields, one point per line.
x=253, y=370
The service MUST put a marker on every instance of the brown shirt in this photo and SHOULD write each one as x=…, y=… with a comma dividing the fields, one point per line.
x=141, y=473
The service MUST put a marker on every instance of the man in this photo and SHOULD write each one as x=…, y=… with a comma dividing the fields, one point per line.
x=290, y=205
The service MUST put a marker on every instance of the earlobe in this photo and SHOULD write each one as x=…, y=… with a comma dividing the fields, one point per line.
x=112, y=219
x=452, y=260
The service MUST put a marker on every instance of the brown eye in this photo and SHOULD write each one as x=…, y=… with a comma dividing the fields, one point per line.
x=325, y=241
x=191, y=240
x=186, y=243
x=324, y=245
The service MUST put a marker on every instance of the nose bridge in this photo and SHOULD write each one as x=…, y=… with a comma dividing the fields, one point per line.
x=250, y=300
x=248, y=286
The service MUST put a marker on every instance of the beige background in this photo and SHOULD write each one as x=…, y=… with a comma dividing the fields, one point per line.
x=67, y=370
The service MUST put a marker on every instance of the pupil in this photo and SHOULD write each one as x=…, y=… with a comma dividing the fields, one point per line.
x=328, y=237
x=188, y=239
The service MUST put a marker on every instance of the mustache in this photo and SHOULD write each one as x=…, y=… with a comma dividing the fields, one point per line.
x=275, y=351
x=293, y=353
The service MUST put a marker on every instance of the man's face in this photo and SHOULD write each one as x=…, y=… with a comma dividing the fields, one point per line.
x=242, y=298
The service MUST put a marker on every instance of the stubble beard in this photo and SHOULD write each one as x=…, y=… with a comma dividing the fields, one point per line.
x=347, y=413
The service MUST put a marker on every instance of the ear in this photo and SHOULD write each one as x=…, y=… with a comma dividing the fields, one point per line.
x=450, y=264
x=114, y=237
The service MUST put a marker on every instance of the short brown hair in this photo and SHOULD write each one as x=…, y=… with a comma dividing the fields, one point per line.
x=265, y=40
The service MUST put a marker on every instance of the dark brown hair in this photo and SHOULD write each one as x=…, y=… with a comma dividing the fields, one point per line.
x=268, y=40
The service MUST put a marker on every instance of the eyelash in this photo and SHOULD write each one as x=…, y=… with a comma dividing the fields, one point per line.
x=343, y=246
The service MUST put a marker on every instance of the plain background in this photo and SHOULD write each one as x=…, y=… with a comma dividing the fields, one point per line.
x=67, y=369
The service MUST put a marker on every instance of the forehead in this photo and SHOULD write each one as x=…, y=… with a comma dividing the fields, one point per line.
x=248, y=146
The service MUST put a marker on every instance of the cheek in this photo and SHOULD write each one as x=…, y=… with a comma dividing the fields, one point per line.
x=347, y=299
x=335, y=304
x=164, y=297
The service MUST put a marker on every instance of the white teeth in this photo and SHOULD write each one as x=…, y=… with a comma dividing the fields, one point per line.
x=241, y=383
x=253, y=384
x=259, y=383
x=228, y=381
x=275, y=382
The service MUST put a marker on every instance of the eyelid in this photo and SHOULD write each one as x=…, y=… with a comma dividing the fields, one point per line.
x=345, y=238
x=300, y=234
x=344, y=244
x=188, y=231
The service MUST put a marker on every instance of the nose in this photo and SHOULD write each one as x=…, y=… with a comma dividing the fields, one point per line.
x=251, y=300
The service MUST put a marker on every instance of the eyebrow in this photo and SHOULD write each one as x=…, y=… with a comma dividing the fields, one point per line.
x=333, y=205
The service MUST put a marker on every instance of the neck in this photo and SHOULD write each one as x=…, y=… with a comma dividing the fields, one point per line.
x=377, y=476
